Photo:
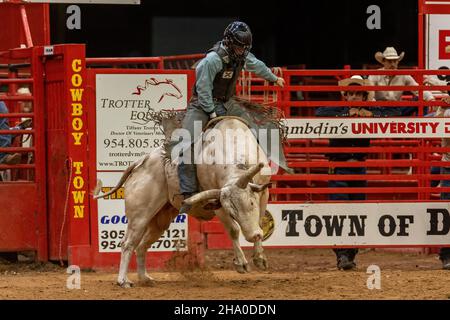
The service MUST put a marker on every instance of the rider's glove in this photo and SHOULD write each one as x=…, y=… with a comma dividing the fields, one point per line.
x=212, y=115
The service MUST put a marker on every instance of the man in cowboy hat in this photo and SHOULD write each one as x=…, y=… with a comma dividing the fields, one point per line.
x=345, y=257
x=390, y=60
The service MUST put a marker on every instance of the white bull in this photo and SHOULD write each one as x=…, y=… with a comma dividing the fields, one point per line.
x=151, y=185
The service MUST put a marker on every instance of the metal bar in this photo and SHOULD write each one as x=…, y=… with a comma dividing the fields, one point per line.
x=17, y=166
x=436, y=9
x=365, y=149
x=90, y=61
x=347, y=88
x=26, y=26
x=357, y=190
x=362, y=177
x=311, y=103
x=37, y=71
x=367, y=163
x=16, y=80
x=16, y=98
x=17, y=149
x=17, y=115
x=362, y=72
x=15, y=66
x=17, y=132
x=421, y=47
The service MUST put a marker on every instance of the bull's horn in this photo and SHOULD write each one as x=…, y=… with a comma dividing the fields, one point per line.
x=97, y=188
x=202, y=196
x=248, y=176
x=259, y=187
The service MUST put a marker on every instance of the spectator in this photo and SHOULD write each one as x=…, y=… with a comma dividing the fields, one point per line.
x=345, y=257
x=6, y=139
x=390, y=61
x=444, y=253
x=26, y=107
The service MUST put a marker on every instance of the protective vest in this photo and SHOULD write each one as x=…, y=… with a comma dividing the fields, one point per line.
x=224, y=84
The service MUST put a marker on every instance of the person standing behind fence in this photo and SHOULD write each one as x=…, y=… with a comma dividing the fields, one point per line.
x=390, y=61
x=345, y=257
x=26, y=107
x=444, y=253
x=6, y=139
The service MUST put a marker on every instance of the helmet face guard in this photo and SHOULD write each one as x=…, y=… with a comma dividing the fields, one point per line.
x=238, y=40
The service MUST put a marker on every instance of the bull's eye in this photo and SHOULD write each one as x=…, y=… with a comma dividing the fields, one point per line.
x=251, y=203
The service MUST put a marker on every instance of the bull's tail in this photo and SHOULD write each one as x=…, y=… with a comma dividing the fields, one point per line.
x=122, y=180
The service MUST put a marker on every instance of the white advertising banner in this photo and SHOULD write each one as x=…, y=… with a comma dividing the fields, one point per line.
x=314, y=128
x=358, y=224
x=112, y=222
x=438, y=41
x=124, y=103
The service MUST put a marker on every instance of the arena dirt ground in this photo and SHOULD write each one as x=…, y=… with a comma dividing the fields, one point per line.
x=293, y=274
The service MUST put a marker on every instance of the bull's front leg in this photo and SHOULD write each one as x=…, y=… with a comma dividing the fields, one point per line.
x=240, y=262
x=259, y=258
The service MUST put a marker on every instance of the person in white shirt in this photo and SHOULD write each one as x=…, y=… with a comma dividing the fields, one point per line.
x=390, y=61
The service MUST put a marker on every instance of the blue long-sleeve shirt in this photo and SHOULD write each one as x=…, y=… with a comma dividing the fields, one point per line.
x=208, y=68
x=5, y=139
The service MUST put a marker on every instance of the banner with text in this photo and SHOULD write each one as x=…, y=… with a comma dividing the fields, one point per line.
x=124, y=103
x=358, y=224
x=314, y=128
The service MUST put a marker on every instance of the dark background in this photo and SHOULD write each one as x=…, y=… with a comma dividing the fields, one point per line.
x=318, y=33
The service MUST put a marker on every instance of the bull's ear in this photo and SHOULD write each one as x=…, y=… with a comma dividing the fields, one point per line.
x=259, y=187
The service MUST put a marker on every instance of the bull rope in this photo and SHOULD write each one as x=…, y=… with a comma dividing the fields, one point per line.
x=69, y=160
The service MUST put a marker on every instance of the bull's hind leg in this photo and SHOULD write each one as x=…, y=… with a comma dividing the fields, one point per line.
x=155, y=229
x=137, y=225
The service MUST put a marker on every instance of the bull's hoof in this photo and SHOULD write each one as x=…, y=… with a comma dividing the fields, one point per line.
x=261, y=263
x=125, y=283
x=147, y=281
x=242, y=268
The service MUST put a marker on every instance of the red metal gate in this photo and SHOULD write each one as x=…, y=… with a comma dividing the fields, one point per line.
x=23, y=198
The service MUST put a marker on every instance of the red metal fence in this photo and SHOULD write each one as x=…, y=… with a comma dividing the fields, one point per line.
x=398, y=169
x=390, y=160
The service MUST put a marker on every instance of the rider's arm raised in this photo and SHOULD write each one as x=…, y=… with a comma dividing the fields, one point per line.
x=252, y=64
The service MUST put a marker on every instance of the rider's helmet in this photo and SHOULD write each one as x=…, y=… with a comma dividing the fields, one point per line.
x=237, y=38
